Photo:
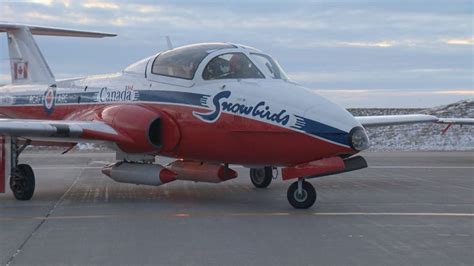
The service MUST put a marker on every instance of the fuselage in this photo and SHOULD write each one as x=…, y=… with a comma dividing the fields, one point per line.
x=249, y=121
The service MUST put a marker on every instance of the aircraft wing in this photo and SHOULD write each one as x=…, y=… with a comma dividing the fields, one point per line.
x=60, y=130
x=390, y=120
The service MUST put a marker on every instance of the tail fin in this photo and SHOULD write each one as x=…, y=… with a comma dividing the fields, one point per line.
x=26, y=60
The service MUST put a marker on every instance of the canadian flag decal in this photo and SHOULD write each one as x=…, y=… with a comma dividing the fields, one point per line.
x=20, y=70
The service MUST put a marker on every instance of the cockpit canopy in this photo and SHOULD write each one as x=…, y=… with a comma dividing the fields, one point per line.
x=233, y=62
x=182, y=62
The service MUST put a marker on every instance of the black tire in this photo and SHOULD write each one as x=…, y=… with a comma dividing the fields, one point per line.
x=304, y=201
x=261, y=177
x=22, y=182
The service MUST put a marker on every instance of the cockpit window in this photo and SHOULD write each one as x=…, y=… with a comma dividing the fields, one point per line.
x=182, y=62
x=231, y=66
x=269, y=66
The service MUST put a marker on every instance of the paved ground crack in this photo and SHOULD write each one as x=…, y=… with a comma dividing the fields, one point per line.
x=45, y=218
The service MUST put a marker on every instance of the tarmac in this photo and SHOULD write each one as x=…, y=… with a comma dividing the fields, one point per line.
x=407, y=208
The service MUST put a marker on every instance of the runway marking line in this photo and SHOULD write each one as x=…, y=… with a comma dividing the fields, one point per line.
x=418, y=167
x=394, y=214
x=242, y=214
x=67, y=167
x=370, y=166
x=182, y=215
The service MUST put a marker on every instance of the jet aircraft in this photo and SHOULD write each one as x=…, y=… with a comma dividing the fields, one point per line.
x=209, y=105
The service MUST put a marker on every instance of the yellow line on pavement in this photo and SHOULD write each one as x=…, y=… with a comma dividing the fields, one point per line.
x=240, y=214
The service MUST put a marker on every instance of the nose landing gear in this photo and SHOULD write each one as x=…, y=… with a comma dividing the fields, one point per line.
x=301, y=194
x=262, y=177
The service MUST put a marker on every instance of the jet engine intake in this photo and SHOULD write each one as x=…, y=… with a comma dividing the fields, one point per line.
x=143, y=130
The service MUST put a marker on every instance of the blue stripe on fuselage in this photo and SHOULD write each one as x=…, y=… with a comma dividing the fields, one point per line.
x=178, y=97
x=321, y=130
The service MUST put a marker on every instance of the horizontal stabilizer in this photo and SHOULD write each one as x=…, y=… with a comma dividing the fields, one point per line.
x=27, y=63
x=52, y=31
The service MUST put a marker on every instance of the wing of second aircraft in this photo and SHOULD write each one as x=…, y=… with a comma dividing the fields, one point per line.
x=390, y=120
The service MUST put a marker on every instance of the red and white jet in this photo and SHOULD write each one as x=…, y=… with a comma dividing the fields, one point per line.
x=208, y=105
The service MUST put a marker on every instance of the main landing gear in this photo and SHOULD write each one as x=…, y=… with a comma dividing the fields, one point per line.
x=301, y=194
x=22, y=179
x=262, y=177
x=22, y=182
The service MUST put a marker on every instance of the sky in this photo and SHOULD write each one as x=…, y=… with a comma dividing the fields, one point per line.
x=367, y=53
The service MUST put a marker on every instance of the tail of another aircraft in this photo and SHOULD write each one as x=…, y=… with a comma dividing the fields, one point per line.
x=26, y=60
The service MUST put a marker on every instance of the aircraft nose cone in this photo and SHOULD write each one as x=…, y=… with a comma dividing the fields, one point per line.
x=358, y=139
x=167, y=175
x=338, y=119
x=107, y=171
x=333, y=123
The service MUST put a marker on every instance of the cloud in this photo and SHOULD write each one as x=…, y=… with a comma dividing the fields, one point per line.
x=356, y=91
x=41, y=2
x=4, y=78
x=382, y=44
x=142, y=8
x=420, y=43
x=42, y=16
x=65, y=3
x=399, y=98
x=365, y=45
x=101, y=5
x=437, y=70
x=73, y=18
x=343, y=76
x=330, y=20
x=336, y=76
x=460, y=41
x=457, y=92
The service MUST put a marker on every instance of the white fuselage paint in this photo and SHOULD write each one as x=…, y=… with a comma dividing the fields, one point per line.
x=283, y=100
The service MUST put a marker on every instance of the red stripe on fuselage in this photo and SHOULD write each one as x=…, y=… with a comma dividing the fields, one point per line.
x=231, y=139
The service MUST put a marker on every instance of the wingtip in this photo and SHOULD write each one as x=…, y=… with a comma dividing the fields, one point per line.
x=106, y=34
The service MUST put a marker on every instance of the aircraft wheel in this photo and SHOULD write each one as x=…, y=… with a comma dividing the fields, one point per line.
x=22, y=182
x=261, y=177
x=303, y=197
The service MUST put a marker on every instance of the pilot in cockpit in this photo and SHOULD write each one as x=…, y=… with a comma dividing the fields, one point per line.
x=231, y=66
x=189, y=69
x=237, y=66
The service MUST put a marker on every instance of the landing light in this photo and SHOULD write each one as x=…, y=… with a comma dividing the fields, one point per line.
x=358, y=139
